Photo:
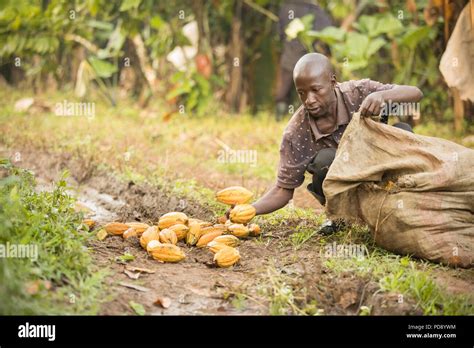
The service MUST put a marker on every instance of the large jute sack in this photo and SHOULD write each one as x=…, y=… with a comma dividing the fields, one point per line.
x=416, y=193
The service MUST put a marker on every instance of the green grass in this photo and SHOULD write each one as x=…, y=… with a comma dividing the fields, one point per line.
x=46, y=221
x=403, y=275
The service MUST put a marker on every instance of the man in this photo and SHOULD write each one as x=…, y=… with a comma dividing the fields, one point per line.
x=313, y=133
x=293, y=50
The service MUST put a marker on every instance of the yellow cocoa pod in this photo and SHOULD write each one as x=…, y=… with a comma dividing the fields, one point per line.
x=131, y=232
x=242, y=213
x=234, y=195
x=180, y=230
x=140, y=227
x=200, y=222
x=211, y=229
x=239, y=230
x=89, y=222
x=173, y=218
x=226, y=257
x=228, y=240
x=168, y=236
x=150, y=234
x=115, y=228
x=152, y=244
x=215, y=246
x=165, y=252
x=194, y=234
x=254, y=230
x=208, y=237
x=220, y=226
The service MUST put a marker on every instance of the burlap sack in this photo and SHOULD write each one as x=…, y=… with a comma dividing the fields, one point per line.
x=415, y=193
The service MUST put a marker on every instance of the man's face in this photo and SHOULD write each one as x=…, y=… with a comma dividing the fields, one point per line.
x=316, y=92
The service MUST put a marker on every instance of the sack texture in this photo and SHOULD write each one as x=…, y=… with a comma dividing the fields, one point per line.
x=415, y=193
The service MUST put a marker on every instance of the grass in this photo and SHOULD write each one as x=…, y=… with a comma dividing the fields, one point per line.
x=403, y=275
x=59, y=277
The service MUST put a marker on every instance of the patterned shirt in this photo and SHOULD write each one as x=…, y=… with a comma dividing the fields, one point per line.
x=302, y=139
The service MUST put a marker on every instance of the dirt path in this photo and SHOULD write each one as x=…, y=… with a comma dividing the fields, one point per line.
x=194, y=286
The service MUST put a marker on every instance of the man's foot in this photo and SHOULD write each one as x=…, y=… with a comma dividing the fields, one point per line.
x=330, y=227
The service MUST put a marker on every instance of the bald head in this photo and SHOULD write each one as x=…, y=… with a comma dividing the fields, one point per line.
x=313, y=64
x=315, y=82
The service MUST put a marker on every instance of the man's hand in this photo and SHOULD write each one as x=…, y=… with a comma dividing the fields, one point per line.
x=372, y=104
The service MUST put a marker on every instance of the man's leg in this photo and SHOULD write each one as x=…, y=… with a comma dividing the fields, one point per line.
x=404, y=126
x=320, y=167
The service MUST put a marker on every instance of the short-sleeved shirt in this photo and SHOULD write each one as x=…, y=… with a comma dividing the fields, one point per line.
x=302, y=139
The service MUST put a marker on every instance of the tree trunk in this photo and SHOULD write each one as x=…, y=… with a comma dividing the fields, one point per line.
x=458, y=110
x=234, y=90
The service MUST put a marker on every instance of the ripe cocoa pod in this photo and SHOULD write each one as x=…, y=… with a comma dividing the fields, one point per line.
x=89, y=222
x=194, y=234
x=150, y=234
x=168, y=236
x=234, y=195
x=165, y=252
x=139, y=227
x=226, y=257
x=254, y=230
x=180, y=230
x=242, y=213
x=202, y=223
x=215, y=228
x=173, y=218
x=152, y=244
x=208, y=237
x=239, y=230
x=228, y=240
x=116, y=228
x=215, y=246
x=131, y=232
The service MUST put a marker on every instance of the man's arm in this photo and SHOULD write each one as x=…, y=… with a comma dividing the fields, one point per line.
x=373, y=103
x=276, y=198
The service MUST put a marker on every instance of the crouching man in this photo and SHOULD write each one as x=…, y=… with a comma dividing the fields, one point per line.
x=312, y=135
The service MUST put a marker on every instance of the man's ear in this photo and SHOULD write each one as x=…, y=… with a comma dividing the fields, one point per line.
x=333, y=80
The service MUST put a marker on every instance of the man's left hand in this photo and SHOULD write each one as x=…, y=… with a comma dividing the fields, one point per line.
x=372, y=104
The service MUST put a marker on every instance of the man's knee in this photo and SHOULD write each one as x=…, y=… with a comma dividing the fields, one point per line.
x=323, y=160
x=404, y=126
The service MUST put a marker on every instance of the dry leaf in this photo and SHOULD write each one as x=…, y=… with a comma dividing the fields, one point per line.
x=347, y=299
x=33, y=287
x=134, y=287
x=131, y=275
x=139, y=269
x=164, y=302
x=101, y=234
